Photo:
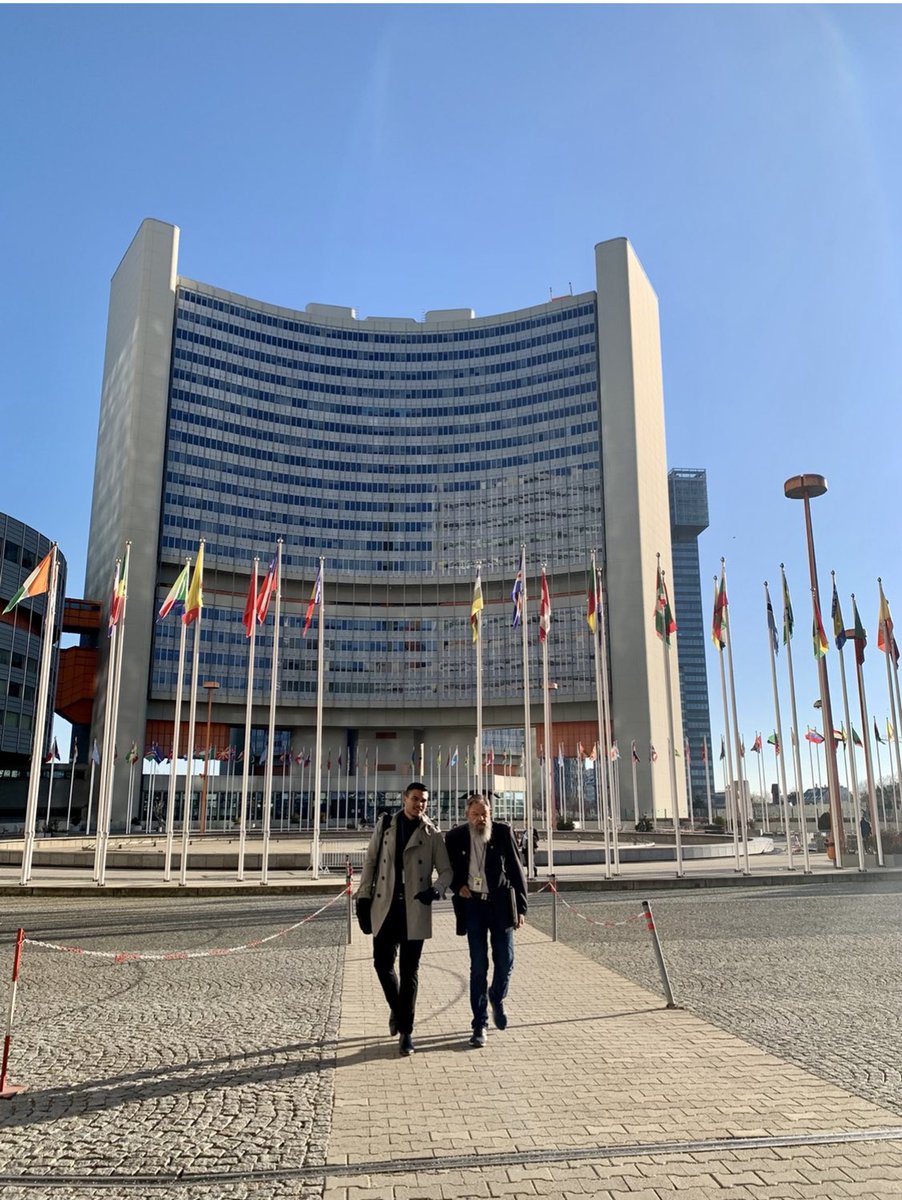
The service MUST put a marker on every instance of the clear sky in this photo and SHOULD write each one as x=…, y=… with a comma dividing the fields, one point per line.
x=400, y=158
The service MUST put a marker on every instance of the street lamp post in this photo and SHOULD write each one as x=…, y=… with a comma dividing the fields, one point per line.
x=804, y=487
x=210, y=686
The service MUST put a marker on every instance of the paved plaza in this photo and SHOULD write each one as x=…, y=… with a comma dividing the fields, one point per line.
x=270, y=1073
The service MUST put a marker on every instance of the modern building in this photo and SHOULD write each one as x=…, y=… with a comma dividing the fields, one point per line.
x=22, y=635
x=407, y=454
x=688, y=519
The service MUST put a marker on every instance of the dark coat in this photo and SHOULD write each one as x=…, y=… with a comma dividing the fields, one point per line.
x=504, y=873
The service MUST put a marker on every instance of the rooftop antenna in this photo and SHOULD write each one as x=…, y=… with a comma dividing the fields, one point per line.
x=571, y=289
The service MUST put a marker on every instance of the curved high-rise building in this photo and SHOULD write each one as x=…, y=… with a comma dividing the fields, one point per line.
x=406, y=454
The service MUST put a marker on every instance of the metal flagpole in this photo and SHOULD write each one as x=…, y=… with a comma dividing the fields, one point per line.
x=119, y=653
x=319, y=599
x=740, y=774
x=521, y=618
x=40, y=718
x=720, y=640
x=604, y=793
x=176, y=730
x=476, y=622
x=544, y=629
x=880, y=776
x=780, y=746
x=50, y=784
x=794, y=727
x=74, y=757
x=840, y=638
x=890, y=649
x=91, y=789
x=357, y=783
x=668, y=698
x=273, y=688
x=107, y=761
x=634, y=758
x=251, y=630
x=196, y=587
x=153, y=781
x=706, y=759
x=611, y=765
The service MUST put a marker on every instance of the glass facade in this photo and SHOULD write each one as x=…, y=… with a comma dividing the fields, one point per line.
x=689, y=518
x=407, y=455
x=21, y=639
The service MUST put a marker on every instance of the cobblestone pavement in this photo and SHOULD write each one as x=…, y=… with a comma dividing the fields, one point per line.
x=811, y=974
x=162, y=1067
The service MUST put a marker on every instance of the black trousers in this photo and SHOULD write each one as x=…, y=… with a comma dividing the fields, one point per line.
x=401, y=993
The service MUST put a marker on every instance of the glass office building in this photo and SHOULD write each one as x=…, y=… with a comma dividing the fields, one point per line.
x=406, y=455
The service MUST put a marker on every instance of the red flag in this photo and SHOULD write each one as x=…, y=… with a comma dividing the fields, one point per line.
x=249, y=605
x=544, y=609
x=267, y=588
x=315, y=597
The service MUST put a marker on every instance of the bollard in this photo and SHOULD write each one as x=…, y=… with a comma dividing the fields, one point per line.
x=668, y=991
x=11, y=1089
x=350, y=874
x=553, y=908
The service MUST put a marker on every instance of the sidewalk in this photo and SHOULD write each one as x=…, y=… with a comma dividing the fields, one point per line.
x=595, y=1089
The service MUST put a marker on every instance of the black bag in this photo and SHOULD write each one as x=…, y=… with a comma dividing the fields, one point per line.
x=363, y=905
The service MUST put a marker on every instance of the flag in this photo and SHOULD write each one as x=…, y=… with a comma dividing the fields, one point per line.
x=742, y=748
x=652, y=754
x=591, y=600
x=665, y=625
x=265, y=595
x=856, y=740
x=718, y=625
x=687, y=750
x=250, y=605
x=154, y=754
x=580, y=752
x=132, y=757
x=860, y=635
x=307, y=759
x=723, y=751
x=615, y=752
x=877, y=732
x=37, y=583
x=839, y=735
x=774, y=741
x=787, y=611
x=53, y=754
x=476, y=607
x=315, y=598
x=705, y=751
x=544, y=609
x=771, y=623
x=890, y=732
x=634, y=751
x=177, y=595
x=339, y=760
x=438, y=757
x=95, y=753
x=819, y=638
x=413, y=757
x=560, y=754
x=195, y=599
x=517, y=593
x=453, y=762
x=839, y=629
x=329, y=761
x=813, y=736
x=885, y=628
x=756, y=744
x=490, y=759
x=117, y=600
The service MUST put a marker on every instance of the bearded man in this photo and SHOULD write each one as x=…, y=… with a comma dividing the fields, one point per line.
x=489, y=898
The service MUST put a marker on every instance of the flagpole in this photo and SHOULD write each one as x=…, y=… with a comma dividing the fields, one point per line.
x=176, y=730
x=248, y=719
x=794, y=726
x=107, y=761
x=318, y=762
x=71, y=783
x=708, y=770
x=633, y=752
x=880, y=775
x=546, y=710
x=375, y=783
x=273, y=686
x=860, y=638
x=357, y=782
x=780, y=747
x=90, y=791
x=527, y=714
x=192, y=713
x=740, y=773
x=49, y=788
x=668, y=698
x=601, y=767
x=856, y=804
x=477, y=616
x=730, y=806
x=610, y=793
x=40, y=719
x=892, y=676
x=153, y=783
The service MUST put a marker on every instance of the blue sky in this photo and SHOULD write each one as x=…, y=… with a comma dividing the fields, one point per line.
x=401, y=158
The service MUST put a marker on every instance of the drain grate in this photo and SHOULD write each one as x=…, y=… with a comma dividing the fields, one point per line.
x=455, y=1162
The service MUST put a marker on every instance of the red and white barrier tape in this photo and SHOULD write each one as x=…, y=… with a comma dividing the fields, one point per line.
x=121, y=956
x=591, y=920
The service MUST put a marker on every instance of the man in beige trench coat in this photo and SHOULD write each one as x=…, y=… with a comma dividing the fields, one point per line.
x=402, y=889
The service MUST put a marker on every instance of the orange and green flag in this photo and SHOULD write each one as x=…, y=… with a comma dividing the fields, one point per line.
x=37, y=583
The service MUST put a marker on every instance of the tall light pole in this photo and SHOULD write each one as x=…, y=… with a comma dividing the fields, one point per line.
x=210, y=686
x=804, y=487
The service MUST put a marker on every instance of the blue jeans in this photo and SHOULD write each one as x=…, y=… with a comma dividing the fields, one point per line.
x=484, y=926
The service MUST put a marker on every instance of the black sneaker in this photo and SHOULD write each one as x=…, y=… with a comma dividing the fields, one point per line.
x=499, y=1016
x=479, y=1037
x=392, y=1025
x=405, y=1045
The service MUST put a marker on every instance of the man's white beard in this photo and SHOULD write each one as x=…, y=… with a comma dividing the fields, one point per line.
x=483, y=835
